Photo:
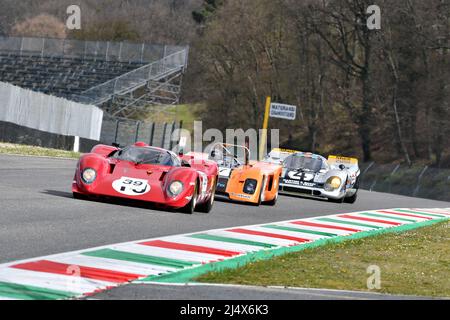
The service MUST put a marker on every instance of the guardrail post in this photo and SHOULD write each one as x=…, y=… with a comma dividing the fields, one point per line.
x=138, y=125
x=117, y=131
x=43, y=46
x=171, y=135
x=419, y=179
x=152, y=133
x=142, y=52
x=390, y=177
x=164, y=135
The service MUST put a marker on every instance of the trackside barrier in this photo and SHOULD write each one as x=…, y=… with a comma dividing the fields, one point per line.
x=125, y=132
x=48, y=113
x=415, y=181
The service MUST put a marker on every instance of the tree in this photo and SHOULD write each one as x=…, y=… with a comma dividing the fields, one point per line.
x=342, y=26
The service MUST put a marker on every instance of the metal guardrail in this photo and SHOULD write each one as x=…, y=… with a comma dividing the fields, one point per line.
x=104, y=50
x=415, y=181
x=134, y=79
x=125, y=132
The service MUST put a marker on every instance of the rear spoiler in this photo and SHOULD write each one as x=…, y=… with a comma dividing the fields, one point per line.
x=280, y=150
x=347, y=162
x=278, y=155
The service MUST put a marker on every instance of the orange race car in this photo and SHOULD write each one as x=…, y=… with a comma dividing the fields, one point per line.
x=244, y=180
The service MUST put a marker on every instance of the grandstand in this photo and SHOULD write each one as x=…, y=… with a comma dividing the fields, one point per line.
x=119, y=77
x=60, y=76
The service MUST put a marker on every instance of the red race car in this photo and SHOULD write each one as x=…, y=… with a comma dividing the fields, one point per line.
x=141, y=172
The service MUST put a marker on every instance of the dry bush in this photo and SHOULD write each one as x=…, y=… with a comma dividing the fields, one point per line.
x=43, y=25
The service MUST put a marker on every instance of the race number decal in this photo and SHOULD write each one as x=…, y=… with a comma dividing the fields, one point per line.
x=131, y=186
x=224, y=172
x=301, y=176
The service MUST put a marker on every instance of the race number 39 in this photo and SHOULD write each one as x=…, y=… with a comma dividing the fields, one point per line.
x=131, y=186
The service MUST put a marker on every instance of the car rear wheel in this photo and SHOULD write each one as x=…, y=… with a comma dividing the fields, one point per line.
x=190, y=207
x=273, y=201
x=208, y=205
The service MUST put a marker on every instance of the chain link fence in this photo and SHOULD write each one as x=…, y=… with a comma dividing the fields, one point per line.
x=102, y=50
x=416, y=181
x=125, y=132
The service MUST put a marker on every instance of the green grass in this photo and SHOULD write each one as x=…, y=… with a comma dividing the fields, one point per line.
x=416, y=262
x=8, y=148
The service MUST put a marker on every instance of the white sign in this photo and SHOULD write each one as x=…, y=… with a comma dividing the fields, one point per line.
x=283, y=111
x=131, y=186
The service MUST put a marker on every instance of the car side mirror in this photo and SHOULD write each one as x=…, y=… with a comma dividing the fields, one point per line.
x=186, y=164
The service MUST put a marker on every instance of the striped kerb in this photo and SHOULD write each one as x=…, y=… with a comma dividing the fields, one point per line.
x=422, y=213
x=405, y=214
x=18, y=291
x=268, y=234
x=346, y=216
x=326, y=226
x=375, y=215
x=84, y=272
x=232, y=240
x=318, y=233
x=139, y=258
x=190, y=248
x=350, y=223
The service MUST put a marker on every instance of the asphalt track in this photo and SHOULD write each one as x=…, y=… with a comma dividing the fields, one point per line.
x=38, y=217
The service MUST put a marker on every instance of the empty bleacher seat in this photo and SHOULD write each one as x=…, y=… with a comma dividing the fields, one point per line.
x=60, y=76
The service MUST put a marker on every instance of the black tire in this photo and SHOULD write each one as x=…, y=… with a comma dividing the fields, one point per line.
x=336, y=200
x=208, y=205
x=79, y=196
x=190, y=207
x=272, y=202
x=351, y=199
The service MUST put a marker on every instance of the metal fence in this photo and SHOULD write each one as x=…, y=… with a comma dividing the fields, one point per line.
x=48, y=113
x=416, y=181
x=109, y=51
x=125, y=132
x=136, y=78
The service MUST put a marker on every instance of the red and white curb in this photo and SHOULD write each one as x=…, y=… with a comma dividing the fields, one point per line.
x=86, y=272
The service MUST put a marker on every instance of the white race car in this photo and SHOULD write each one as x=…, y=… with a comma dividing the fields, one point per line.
x=311, y=175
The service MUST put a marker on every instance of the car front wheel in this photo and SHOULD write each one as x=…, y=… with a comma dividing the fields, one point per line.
x=190, y=207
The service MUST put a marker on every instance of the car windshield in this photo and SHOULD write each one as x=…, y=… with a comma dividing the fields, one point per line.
x=144, y=155
x=224, y=159
x=303, y=163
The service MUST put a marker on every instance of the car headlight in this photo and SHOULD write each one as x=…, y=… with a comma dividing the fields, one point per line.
x=333, y=183
x=175, y=188
x=250, y=186
x=89, y=175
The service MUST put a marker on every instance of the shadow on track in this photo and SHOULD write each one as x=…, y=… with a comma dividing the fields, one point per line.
x=110, y=200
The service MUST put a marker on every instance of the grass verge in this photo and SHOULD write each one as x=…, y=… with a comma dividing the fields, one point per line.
x=8, y=148
x=415, y=262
